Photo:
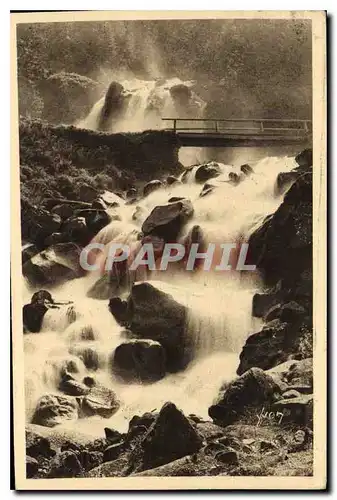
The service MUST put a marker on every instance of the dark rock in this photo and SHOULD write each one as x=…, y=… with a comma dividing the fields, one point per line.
x=112, y=199
x=253, y=388
x=229, y=457
x=173, y=199
x=75, y=229
x=32, y=466
x=156, y=315
x=284, y=181
x=267, y=348
x=118, y=309
x=172, y=180
x=170, y=437
x=100, y=401
x=246, y=169
x=89, y=381
x=282, y=247
x=210, y=431
x=304, y=159
x=99, y=204
x=112, y=436
x=28, y=251
x=140, y=360
x=53, y=409
x=207, y=189
x=87, y=193
x=55, y=238
x=115, y=468
x=166, y=221
x=207, y=171
x=90, y=460
x=112, y=107
x=131, y=194
x=38, y=446
x=53, y=266
x=266, y=446
x=181, y=93
x=112, y=452
x=213, y=448
x=65, y=211
x=37, y=223
x=297, y=410
x=151, y=186
x=73, y=388
x=96, y=219
x=42, y=296
x=301, y=373
x=65, y=464
x=234, y=178
x=33, y=315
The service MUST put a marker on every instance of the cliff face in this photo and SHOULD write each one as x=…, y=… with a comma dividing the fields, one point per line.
x=51, y=157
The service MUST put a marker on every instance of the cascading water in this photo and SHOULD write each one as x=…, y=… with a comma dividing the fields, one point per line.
x=140, y=104
x=218, y=303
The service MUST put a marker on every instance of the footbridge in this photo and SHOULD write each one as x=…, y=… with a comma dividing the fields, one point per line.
x=240, y=132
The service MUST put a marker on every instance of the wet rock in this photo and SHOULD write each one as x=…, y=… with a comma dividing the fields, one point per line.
x=28, y=251
x=267, y=348
x=89, y=460
x=207, y=189
x=112, y=199
x=54, y=266
x=173, y=199
x=156, y=315
x=96, y=219
x=304, y=158
x=170, y=437
x=139, y=360
x=151, y=186
x=118, y=309
x=253, y=388
x=112, y=452
x=54, y=239
x=33, y=315
x=73, y=387
x=166, y=221
x=138, y=213
x=234, y=178
x=38, y=446
x=246, y=169
x=229, y=457
x=172, y=180
x=100, y=401
x=37, y=224
x=32, y=466
x=284, y=180
x=76, y=229
x=112, y=436
x=65, y=464
x=131, y=194
x=53, y=409
x=282, y=247
x=99, y=204
x=112, y=107
x=181, y=93
x=207, y=171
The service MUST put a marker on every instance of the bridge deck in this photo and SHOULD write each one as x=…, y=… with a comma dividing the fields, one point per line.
x=240, y=132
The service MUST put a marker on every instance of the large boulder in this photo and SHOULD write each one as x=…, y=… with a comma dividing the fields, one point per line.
x=139, y=360
x=112, y=107
x=53, y=410
x=154, y=314
x=266, y=348
x=37, y=223
x=207, y=171
x=166, y=221
x=53, y=266
x=152, y=186
x=253, y=389
x=100, y=401
x=170, y=437
x=38, y=446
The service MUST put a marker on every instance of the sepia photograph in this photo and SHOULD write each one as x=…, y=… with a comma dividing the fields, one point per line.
x=168, y=250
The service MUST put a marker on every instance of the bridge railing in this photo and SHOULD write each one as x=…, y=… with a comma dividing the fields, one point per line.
x=265, y=126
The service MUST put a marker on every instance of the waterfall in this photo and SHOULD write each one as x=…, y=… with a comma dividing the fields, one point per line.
x=142, y=103
x=218, y=303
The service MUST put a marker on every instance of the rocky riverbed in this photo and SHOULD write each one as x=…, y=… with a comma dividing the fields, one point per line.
x=260, y=421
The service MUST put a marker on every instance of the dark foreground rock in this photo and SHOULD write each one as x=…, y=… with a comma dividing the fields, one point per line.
x=166, y=221
x=156, y=315
x=100, y=401
x=207, y=171
x=170, y=437
x=57, y=264
x=253, y=389
x=139, y=360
